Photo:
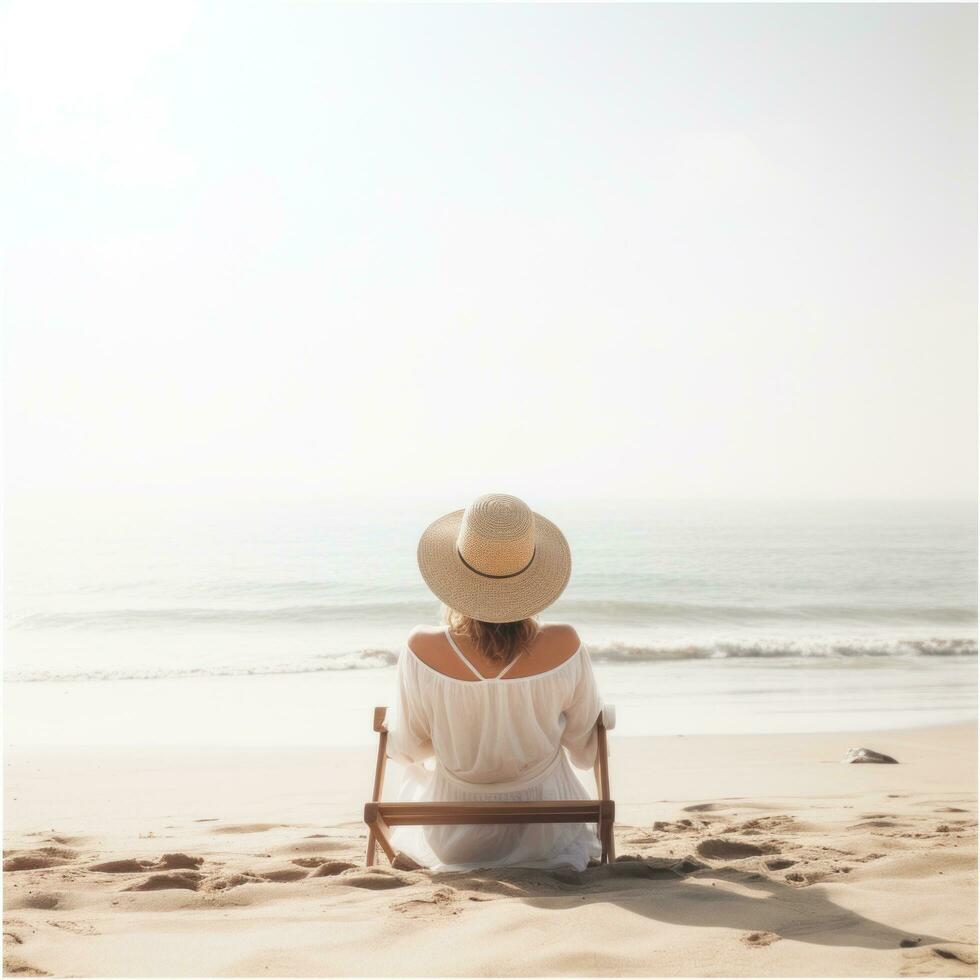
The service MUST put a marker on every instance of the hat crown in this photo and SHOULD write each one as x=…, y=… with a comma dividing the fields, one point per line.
x=496, y=535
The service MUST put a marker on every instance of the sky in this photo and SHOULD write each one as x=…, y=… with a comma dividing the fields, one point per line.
x=335, y=251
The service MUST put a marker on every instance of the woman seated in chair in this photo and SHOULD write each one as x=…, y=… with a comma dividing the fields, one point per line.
x=494, y=696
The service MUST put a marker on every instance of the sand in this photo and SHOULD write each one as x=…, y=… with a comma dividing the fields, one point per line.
x=738, y=856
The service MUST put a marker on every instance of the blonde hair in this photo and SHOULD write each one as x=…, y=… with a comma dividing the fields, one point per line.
x=498, y=642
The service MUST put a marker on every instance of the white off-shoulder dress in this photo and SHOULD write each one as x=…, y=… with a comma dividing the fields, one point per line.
x=492, y=739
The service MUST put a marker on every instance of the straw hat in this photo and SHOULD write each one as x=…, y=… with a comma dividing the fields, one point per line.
x=496, y=561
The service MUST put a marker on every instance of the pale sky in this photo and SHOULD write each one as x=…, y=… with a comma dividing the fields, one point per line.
x=596, y=251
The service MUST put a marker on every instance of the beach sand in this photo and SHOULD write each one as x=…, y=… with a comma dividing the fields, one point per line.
x=739, y=855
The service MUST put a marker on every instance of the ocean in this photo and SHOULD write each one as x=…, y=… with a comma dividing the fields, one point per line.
x=280, y=623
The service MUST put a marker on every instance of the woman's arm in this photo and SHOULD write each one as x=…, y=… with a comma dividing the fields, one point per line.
x=409, y=739
x=580, y=713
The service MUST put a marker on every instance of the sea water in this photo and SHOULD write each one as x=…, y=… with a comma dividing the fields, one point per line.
x=280, y=623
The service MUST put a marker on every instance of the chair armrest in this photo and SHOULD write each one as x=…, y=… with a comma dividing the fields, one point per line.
x=608, y=717
x=379, y=719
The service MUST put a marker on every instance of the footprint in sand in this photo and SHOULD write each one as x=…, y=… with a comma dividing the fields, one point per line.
x=714, y=807
x=273, y=876
x=685, y=826
x=638, y=838
x=760, y=938
x=779, y=822
x=439, y=903
x=780, y=864
x=39, y=857
x=126, y=866
x=37, y=900
x=719, y=849
x=78, y=928
x=330, y=868
x=170, y=862
x=312, y=862
x=29, y=862
x=376, y=879
x=59, y=852
x=188, y=880
x=14, y=966
x=248, y=828
x=284, y=874
x=963, y=955
x=231, y=881
x=179, y=860
x=801, y=880
x=929, y=960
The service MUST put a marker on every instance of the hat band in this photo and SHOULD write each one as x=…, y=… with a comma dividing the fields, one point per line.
x=519, y=571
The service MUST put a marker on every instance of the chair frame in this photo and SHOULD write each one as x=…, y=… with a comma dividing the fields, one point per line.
x=380, y=817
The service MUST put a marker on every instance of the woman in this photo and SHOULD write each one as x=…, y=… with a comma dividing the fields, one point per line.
x=493, y=697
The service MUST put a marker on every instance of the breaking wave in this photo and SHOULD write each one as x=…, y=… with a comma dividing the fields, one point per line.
x=802, y=652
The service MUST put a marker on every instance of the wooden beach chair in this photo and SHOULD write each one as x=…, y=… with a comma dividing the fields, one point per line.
x=380, y=817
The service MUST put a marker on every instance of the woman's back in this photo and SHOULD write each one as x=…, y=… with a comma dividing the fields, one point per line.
x=486, y=728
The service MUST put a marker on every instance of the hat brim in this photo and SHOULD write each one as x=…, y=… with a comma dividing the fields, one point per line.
x=494, y=600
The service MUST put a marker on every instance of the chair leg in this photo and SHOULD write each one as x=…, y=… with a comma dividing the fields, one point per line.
x=381, y=831
x=606, y=819
x=379, y=775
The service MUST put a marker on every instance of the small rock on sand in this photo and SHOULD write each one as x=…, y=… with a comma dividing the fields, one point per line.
x=866, y=755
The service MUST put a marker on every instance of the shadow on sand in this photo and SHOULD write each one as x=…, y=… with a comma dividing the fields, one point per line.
x=681, y=892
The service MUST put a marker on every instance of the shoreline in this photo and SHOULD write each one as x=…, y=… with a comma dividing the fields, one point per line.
x=741, y=855
x=689, y=697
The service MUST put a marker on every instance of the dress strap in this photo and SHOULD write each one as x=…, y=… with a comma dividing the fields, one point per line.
x=462, y=656
x=511, y=664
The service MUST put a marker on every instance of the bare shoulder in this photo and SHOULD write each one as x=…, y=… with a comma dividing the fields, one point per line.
x=555, y=644
x=561, y=631
x=561, y=635
x=424, y=639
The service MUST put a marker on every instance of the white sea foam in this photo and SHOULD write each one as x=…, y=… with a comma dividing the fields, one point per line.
x=845, y=653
